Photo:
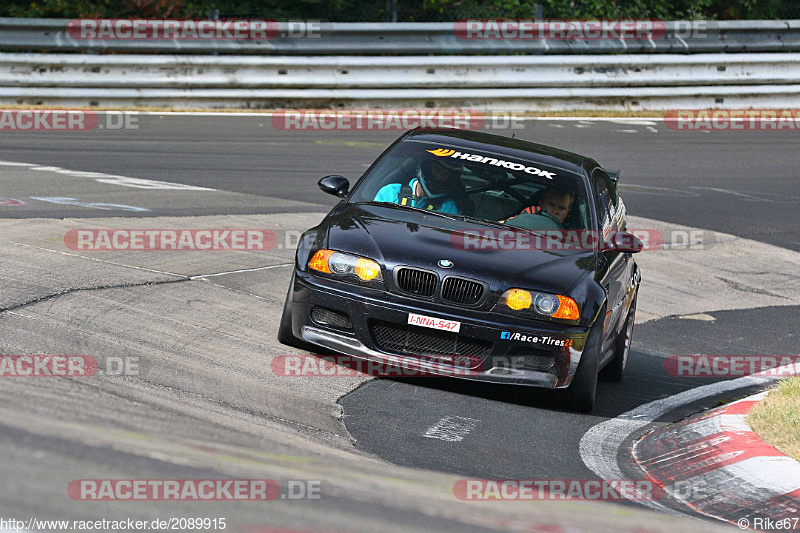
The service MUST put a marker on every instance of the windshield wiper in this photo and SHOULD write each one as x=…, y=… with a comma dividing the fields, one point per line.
x=482, y=221
x=497, y=224
x=411, y=208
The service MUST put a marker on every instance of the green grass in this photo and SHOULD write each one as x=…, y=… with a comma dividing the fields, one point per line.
x=776, y=419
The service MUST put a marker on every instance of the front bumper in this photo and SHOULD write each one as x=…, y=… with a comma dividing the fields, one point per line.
x=501, y=360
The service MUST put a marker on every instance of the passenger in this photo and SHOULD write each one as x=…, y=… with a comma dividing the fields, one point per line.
x=551, y=212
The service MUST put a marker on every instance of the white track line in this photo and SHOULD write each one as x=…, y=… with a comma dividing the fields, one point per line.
x=239, y=271
x=111, y=179
x=451, y=428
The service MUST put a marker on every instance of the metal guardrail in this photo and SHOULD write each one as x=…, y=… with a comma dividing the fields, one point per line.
x=406, y=72
x=407, y=65
x=655, y=81
x=50, y=35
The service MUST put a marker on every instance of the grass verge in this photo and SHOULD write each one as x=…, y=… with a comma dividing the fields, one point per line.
x=776, y=419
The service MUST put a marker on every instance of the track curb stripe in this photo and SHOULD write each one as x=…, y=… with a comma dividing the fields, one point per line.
x=733, y=474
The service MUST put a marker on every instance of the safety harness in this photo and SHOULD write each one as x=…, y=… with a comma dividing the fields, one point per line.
x=406, y=197
x=530, y=210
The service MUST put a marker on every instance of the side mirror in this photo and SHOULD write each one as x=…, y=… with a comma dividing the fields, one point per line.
x=335, y=185
x=622, y=241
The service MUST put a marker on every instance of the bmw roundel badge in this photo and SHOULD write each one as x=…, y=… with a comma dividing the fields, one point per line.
x=445, y=263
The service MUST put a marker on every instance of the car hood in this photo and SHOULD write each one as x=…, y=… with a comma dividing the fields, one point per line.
x=395, y=236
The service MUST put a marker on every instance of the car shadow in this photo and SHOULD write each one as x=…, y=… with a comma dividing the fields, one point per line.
x=645, y=381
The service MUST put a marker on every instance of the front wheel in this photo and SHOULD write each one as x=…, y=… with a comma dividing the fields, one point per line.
x=285, y=333
x=615, y=370
x=580, y=394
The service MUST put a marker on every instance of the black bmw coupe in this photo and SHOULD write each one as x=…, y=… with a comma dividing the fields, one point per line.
x=508, y=259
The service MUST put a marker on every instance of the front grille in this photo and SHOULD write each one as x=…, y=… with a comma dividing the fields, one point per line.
x=461, y=291
x=415, y=340
x=331, y=318
x=417, y=282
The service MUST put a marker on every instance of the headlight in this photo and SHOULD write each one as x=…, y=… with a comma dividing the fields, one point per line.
x=545, y=304
x=517, y=299
x=552, y=305
x=346, y=265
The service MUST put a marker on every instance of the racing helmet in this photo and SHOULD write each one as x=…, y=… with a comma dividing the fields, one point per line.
x=433, y=187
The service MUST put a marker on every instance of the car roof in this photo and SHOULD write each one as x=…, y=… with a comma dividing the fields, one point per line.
x=475, y=140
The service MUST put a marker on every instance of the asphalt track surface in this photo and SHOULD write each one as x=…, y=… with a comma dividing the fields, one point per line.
x=739, y=183
x=744, y=183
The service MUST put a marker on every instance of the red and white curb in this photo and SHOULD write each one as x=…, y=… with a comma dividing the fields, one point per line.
x=718, y=466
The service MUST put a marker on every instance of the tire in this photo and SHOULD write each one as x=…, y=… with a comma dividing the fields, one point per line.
x=285, y=333
x=615, y=370
x=580, y=394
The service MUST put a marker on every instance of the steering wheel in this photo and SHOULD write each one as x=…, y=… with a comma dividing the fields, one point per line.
x=551, y=217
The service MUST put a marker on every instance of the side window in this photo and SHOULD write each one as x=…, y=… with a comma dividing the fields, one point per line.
x=605, y=200
x=622, y=214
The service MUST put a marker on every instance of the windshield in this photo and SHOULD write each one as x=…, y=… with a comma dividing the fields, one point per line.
x=479, y=185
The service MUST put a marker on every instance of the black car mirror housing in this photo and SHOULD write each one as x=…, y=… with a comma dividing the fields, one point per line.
x=622, y=241
x=335, y=185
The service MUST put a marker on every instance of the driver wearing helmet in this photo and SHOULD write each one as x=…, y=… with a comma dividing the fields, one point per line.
x=432, y=188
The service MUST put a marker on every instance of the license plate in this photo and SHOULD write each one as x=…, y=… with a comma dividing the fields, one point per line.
x=434, y=323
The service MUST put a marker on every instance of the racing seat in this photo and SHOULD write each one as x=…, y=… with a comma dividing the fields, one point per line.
x=464, y=203
x=576, y=216
x=532, y=206
x=402, y=174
